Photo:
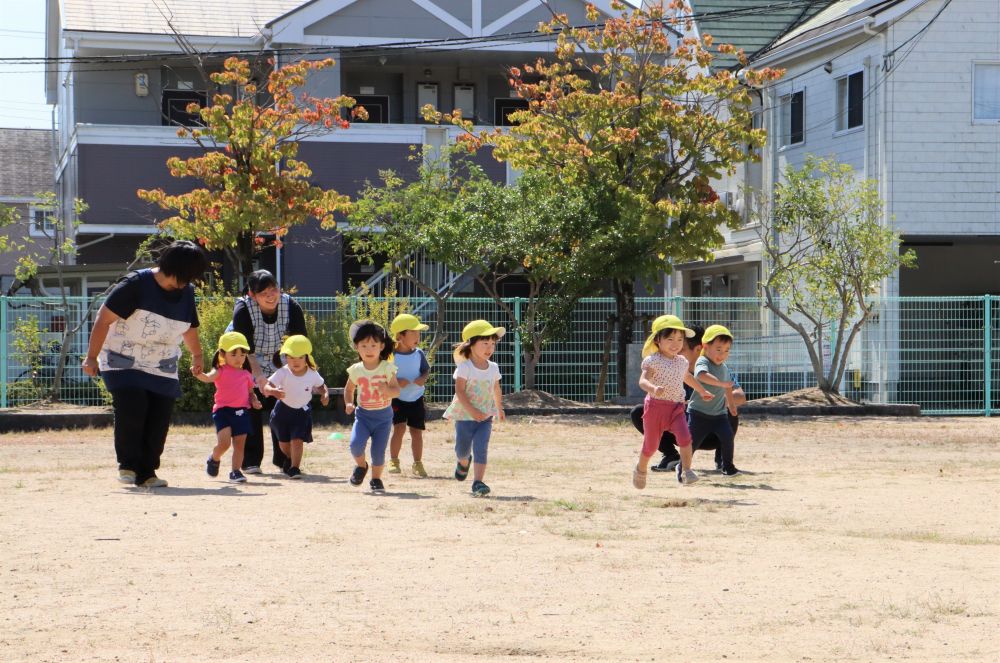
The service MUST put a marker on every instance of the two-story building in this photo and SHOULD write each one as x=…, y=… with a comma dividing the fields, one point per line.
x=124, y=82
x=908, y=93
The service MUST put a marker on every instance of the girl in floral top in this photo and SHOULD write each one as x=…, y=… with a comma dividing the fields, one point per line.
x=477, y=400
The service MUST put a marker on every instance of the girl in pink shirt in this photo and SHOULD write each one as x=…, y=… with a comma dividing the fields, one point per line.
x=233, y=399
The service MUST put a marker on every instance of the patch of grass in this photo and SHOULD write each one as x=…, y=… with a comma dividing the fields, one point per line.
x=916, y=536
x=676, y=503
x=569, y=505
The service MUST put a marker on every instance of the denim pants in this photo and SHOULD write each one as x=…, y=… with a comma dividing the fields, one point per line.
x=374, y=424
x=473, y=437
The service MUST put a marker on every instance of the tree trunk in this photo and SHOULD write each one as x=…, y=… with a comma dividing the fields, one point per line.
x=625, y=310
x=602, y=379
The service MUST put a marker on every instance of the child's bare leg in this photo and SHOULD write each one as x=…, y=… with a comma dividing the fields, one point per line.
x=377, y=471
x=239, y=445
x=396, y=442
x=286, y=448
x=643, y=463
x=222, y=441
x=416, y=444
x=478, y=471
x=296, y=455
x=361, y=461
x=686, y=455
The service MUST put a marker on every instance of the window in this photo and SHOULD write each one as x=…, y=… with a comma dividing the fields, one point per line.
x=986, y=97
x=42, y=222
x=175, y=103
x=850, y=101
x=793, y=130
x=377, y=106
x=504, y=106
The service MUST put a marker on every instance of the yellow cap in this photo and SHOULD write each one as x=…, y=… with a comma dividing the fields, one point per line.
x=297, y=346
x=661, y=323
x=481, y=328
x=232, y=340
x=713, y=332
x=473, y=329
x=406, y=322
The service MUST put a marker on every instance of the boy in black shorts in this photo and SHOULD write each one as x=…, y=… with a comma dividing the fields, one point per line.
x=408, y=410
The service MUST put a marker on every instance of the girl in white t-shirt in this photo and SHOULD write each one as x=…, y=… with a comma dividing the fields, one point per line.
x=294, y=385
x=478, y=400
x=373, y=379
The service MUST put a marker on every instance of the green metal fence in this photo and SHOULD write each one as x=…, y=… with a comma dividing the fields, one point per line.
x=941, y=352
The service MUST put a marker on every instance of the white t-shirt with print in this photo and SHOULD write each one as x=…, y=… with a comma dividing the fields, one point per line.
x=665, y=372
x=479, y=387
x=298, y=388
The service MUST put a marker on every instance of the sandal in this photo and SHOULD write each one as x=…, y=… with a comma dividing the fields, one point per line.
x=638, y=478
x=462, y=472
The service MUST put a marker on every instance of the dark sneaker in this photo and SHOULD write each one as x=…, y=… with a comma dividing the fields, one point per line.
x=358, y=475
x=730, y=471
x=718, y=466
x=480, y=489
x=287, y=465
x=237, y=477
x=462, y=472
x=680, y=473
x=212, y=467
x=666, y=464
x=377, y=486
x=294, y=473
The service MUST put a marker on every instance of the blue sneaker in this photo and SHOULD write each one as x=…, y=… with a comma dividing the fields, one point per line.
x=480, y=489
x=212, y=467
x=236, y=477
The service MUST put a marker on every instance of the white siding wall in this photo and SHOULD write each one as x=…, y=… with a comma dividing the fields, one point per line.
x=944, y=171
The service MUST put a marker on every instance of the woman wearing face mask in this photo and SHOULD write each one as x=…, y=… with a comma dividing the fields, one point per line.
x=265, y=316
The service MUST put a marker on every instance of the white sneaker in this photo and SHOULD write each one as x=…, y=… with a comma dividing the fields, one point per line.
x=253, y=469
x=689, y=478
x=154, y=482
x=126, y=476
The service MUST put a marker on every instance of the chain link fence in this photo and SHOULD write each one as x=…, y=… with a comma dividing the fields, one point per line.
x=941, y=353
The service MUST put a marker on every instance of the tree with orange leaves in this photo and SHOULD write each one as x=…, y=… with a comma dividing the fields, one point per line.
x=629, y=107
x=252, y=181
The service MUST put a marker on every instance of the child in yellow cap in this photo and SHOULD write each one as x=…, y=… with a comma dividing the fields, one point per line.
x=664, y=374
x=233, y=399
x=712, y=416
x=408, y=411
x=478, y=400
x=294, y=385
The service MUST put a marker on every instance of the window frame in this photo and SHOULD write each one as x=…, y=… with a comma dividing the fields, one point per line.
x=975, y=65
x=33, y=230
x=785, y=133
x=843, y=106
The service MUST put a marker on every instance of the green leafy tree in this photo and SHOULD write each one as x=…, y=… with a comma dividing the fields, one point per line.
x=253, y=182
x=827, y=252
x=629, y=106
x=412, y=221
x=539, y=232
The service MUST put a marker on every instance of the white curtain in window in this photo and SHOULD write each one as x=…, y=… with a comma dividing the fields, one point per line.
x=986, y=101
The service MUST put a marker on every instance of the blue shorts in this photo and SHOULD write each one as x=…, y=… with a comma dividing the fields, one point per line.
x=290, y=423
x=238, y=419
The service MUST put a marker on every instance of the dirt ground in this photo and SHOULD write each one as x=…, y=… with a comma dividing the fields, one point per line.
x=849, y=539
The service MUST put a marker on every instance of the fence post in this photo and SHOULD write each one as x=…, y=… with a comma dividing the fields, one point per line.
x=517, y=344
x=987, y=355
x=3, y=351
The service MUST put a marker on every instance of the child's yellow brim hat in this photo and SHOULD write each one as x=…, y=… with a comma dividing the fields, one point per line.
x=713, y=332
x=297, y=346
x=232, y=340
x=406, y=322
x=474, y=329
x=661, y=323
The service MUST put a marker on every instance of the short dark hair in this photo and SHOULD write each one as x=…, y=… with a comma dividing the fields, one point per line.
x=695, y=340
x=184, y=260
x=261, y=280
x=368, y=329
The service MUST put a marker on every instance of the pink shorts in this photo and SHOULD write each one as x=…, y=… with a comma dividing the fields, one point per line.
x=659, y=416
